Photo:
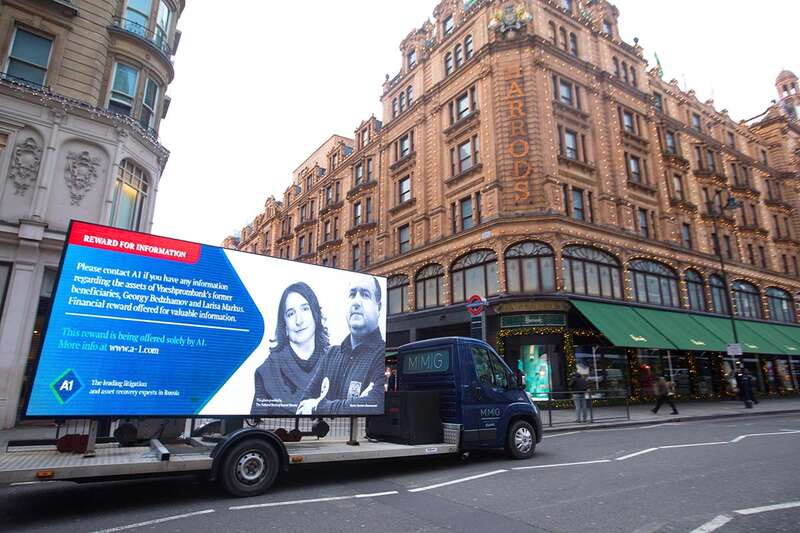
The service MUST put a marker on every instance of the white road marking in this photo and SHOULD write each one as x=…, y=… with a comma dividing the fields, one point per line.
x=376, y=494
x=562, y=464
x=742, y=437
x=20, y=483
x=462, y=480
x=156, y=521
x=764, y=509
x=692, y=445
x=713, y=525
x=641, y=452
x=561, y=434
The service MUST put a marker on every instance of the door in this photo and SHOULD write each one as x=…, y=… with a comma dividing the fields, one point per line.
x=484, y=402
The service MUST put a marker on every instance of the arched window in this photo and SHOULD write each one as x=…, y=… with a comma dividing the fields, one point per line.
x=616, y=66
x=130, y=194
x=694, y=288
x=591, y=271
x=410, y=95
x=430, y=287
x=402, y=100
x=573, y=44
x=719, y=298
x=748, y=299
x=529, y=267
x=475, y=273
x=553, y=32
x=653, y=283
x=448, y=64
x=458, y=55
x=468, y=47
x=397, y=289
x=781, y=306
x=625, y=71
x=394, y=107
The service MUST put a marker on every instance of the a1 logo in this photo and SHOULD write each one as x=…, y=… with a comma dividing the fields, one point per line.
x=66, y=386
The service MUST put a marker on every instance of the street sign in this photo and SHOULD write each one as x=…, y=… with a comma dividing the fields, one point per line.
x=735, y=350
x=475, y=305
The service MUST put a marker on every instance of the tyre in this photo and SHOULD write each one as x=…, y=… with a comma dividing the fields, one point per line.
x=249, y=468
x=521, y=440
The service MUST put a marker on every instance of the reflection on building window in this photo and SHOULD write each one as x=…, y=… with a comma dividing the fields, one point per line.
x=475, y=273
x=130, y=195
x=397, y=288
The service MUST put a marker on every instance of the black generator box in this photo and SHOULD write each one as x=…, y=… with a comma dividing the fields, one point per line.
x=412, y=417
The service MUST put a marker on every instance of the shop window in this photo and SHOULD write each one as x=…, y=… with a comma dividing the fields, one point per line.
x=130, y=195
x=605, y=368
x=653, y=283
x=781, y=306
x=592, y=272
x=694, y=290
x=529, y=267
x=397, y=294
x=475, y=273
x=430, y=287
x=42, y=314
x=747, y=298
x=719, y=297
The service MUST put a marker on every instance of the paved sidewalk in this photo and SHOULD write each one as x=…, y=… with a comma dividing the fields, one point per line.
x=562, y=419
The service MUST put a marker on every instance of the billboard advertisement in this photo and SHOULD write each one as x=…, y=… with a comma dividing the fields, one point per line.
x=143, y=325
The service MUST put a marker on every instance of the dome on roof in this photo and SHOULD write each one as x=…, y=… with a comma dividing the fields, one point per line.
x=785, y=75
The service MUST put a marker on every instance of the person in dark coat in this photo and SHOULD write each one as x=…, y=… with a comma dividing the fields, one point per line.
x=744, y=382
x=351, y=378
x=579, y=385
x=662, y=395
x=300, y=343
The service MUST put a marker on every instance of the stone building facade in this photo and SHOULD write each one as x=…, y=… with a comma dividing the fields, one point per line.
x=529, y=155
x=82, y=95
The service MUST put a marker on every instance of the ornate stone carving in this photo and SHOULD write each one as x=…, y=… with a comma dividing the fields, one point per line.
x=80, y=175
x=25, y=165
x=510, y=19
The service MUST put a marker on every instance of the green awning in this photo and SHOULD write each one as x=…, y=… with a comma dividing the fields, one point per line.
x=792, y=335
x=772, y=334
x=682, y=331
x=751, y=341
x=622, y=325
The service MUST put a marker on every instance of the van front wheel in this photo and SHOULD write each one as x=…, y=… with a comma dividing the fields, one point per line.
x=521, y=440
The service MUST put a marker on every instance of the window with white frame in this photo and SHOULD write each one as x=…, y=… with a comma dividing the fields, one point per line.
x=404, y=189
x=592, y=272
x=29, y=57
x=781, y=305
x=448, y=25
x=529, y=267
x=123, y=89
x=148, y=116
x=130, y=195
x=463, y=105
x=430, y=287
x=747, y=298
x=137, y=16
x=397, y=294
x=475, y=273
x=695, y=290
x=464, y=156
x=163, y=19
x=653, y=283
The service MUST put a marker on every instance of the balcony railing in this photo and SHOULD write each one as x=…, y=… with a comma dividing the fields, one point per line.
x=156, y=38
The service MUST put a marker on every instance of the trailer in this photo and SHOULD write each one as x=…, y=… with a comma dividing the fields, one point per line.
x=148, y=327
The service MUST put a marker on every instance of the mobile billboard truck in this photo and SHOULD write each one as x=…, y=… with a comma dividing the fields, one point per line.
x=148, y=327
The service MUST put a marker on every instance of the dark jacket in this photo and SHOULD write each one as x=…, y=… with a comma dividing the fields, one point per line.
x=350, y=372
x=578, y=383
x=281, y=380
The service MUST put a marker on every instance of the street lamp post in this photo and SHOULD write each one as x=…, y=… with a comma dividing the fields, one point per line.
x=716, y=210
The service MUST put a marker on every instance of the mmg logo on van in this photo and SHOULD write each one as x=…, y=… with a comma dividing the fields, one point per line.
x=493, y=412
x=429, y=362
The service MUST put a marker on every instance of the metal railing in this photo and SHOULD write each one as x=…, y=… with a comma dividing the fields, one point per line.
x=608, y=404
x=156, y=38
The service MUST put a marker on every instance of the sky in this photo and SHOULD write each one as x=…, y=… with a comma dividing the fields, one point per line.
x=260, y=85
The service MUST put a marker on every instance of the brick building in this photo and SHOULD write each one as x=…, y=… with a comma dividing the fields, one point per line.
x=528, y=155
x=82, y=96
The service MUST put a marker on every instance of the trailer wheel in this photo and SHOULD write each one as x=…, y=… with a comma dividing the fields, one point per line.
x=521, y=440
x=249, y=468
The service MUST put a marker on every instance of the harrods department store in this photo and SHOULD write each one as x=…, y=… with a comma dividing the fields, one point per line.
x=616, y=224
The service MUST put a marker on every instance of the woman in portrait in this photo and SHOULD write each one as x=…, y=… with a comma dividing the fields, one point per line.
x=301, y=340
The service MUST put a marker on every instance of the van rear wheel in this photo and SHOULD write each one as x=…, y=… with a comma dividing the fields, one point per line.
x=521, y=440
x=249, y=468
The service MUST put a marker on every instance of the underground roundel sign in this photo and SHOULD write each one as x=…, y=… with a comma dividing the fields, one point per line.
x=475, y=305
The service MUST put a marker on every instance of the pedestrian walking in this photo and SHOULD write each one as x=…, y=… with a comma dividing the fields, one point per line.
x=579, y=387
x=744, y=381
x=662, y=390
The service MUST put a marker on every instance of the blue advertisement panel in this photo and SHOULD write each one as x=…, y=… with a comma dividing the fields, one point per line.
x=150, y=326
